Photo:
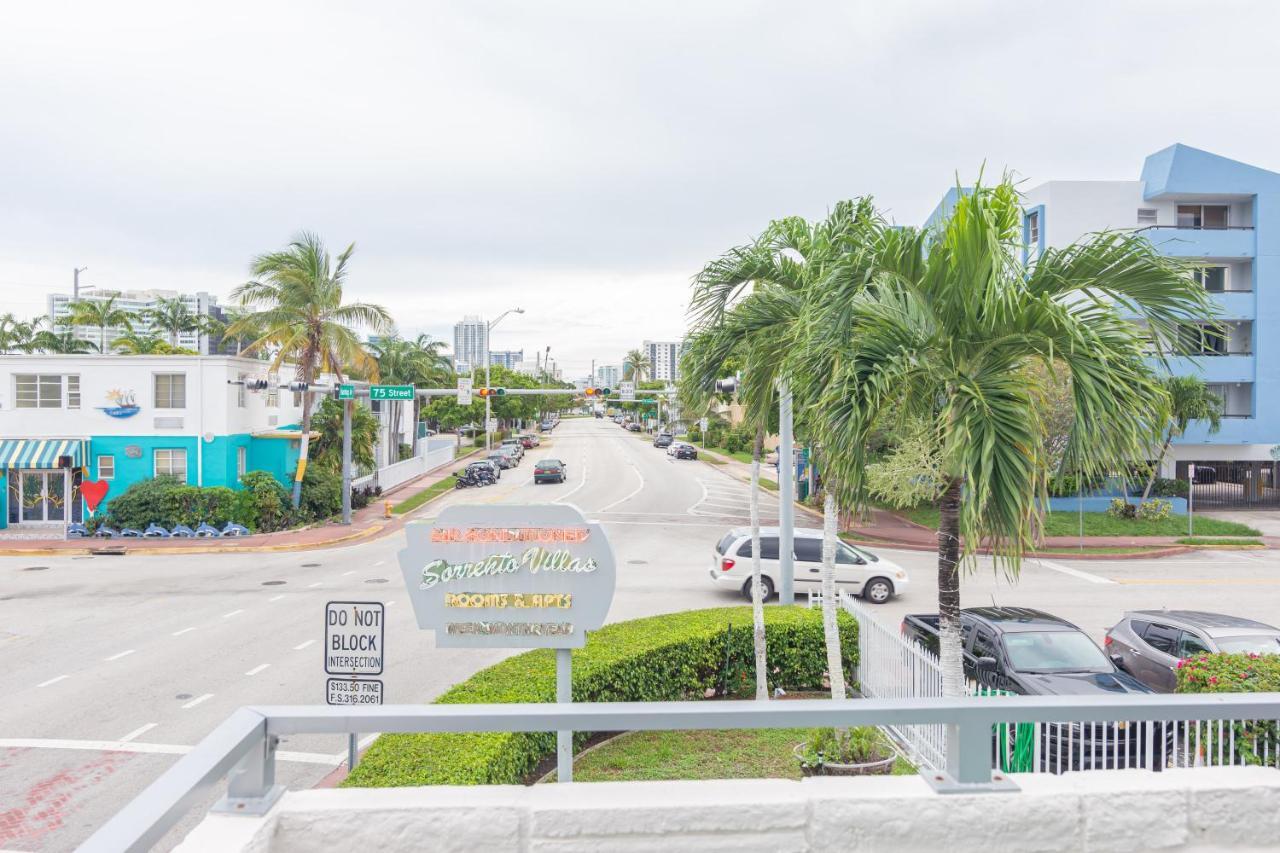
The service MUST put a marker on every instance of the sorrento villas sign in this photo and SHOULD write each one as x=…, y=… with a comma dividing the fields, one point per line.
x=526, y=576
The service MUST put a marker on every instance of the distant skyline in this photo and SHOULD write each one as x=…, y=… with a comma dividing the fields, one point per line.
x=581, y=160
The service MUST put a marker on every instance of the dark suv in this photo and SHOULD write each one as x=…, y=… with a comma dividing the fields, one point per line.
x=1149, y=643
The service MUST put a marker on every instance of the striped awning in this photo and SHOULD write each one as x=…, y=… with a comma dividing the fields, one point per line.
x=40, y=452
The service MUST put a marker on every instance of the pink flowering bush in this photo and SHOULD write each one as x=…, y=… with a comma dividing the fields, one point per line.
x=1242, y=673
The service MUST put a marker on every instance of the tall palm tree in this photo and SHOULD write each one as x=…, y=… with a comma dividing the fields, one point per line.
x=17, y=334
x=636, y=365
x=65, y=342
x=298, y=295
x=417, y=362
x=1189, y=400
x=246, y=329
x=939, y=326
x=174, y=317
x=134, y=343
x=102, y=313
x=746, y=304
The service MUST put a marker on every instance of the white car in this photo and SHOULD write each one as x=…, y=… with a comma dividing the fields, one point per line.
x=858, y=571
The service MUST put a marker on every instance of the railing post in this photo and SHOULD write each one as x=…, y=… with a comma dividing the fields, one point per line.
x=968, y=769
x=251, y=784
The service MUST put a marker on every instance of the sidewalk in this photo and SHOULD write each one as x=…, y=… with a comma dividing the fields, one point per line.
x=367, y=523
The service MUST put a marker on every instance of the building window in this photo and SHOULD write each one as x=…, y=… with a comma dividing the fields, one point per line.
x=1146, y=217
x=1214, y=279
x=273, y=391
x=106, y=467
x=171, y=390
x=1033, y=229
x=171, y=461
x=241, y=391
x=73, y=390
x=1202, y=215
x=41, y=391
x=242, y=462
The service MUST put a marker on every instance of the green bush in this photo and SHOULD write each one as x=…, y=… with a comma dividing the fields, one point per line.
x=264, y=503
x=1154, y=510
x=693, y=434
x=321, y=493
x=1121, y=508
x=1167, y=488
x=674, y=657
x=1238, y=673
x=168, y=502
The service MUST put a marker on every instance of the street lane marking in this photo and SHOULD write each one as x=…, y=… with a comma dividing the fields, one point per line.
x=138, y=732
x=1075, y=573
x=563, y=498
x=379, y=563
x=183, y=631
x=257, y=669
x=196, y=701
x=389, y=603
x=152, y=748
x=119, y=655
x=232, y=613
x=302, y=646
x=53, y=680
x=664, y=523
x=1199, y=581
x=314, y=585
x=353, y=571
x=638, y=489
x=705, y=495
x=276, y=597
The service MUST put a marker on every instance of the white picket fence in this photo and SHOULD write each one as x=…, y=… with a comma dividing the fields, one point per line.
x=892, y=667
x=390, y=476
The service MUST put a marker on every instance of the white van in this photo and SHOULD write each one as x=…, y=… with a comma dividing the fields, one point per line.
x=858, y=571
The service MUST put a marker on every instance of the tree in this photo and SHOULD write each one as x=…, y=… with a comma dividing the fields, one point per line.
x=937, y=326
x=636, y=365
x=298, y=293
x=247, y=330
x=17, y=334
x=327, y=421
x=748, y=304
x=60, y=343
x=174, y=317
x=134, y=343
x=417, y=362
x=101, y=313
x=1189, y=400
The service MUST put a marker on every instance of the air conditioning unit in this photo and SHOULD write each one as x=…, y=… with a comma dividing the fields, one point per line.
x=167, y=423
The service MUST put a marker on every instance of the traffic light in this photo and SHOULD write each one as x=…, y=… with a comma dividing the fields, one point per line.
x=492, y=392
x=727, y=386
x=596, y=392
x=298, y=387
x=256, y=384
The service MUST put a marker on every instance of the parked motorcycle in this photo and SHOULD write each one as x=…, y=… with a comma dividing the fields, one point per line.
x=466, y=480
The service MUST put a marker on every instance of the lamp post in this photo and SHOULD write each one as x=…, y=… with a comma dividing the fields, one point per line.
x=488, y=330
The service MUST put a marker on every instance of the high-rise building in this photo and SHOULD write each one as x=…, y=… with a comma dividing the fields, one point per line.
x=470, y=341
x=1210, y=211
x=664, y=359
x=138, y=303
x=608, y=375
x=507, y=358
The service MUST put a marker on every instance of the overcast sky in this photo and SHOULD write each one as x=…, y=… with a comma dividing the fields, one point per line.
x=579, y=159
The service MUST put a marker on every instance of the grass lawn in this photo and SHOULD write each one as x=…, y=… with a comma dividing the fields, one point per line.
x=714, y=754
x=415, y=501
x=1200, y=540
x=740, y=455
x=771, y=485
x=1101, y=524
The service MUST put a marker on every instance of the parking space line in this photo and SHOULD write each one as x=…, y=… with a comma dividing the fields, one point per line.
x=138, y=732
x=196, y=701
x=302, y=646
x=276, y=597
x=232, y=613
x=314, y=585
x=1075, y=573
x=257, y=669
x=183, y=631
x=53, y=680
x=119, y=655
x=353, y=571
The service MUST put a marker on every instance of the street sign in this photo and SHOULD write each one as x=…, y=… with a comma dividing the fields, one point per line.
x=353, y=635
x=493, y=425
x=628, y=391
x=346, y=392
x=353, y=691
x=702, y=424
x=391, y=392
x=464, y=390
x=532, y=576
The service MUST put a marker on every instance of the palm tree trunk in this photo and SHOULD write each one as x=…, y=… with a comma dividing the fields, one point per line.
x=102, y=340
x=1155, y=471
x=306, y=437
x=830, y=627
x=757, y=598
x=949, y=588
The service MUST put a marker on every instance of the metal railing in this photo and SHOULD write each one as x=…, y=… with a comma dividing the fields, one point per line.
x=1195, y=228
x=244, y=746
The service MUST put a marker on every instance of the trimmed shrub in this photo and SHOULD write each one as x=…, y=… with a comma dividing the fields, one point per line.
x=679, y=656
x=1238, y=673
x=264, y=503
x=1121, y=508
x=1167, y=488
x=1154, y=510
x=321, y=493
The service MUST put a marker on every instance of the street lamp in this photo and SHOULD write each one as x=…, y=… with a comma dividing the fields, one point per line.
x=488, y=329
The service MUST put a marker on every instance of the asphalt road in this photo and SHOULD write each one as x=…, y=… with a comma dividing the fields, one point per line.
x=116, y=665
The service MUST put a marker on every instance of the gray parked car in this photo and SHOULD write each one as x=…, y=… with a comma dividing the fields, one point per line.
x=1148, y=644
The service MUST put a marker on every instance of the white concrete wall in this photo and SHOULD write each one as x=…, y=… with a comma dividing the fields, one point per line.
x=212, y=406
x=1129, y=810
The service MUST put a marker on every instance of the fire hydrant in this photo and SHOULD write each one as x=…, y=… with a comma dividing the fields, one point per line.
x=386, y=509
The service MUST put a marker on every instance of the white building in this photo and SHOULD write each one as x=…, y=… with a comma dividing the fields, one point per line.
x=664, y=359
x=470, y=341
x=608, y=375
x=507, y=358
x=137, y=303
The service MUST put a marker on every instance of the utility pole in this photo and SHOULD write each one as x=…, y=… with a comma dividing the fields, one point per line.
x=786, y=497
x=75, y=284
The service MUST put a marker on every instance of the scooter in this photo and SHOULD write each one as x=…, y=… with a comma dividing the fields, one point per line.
x=465, y=480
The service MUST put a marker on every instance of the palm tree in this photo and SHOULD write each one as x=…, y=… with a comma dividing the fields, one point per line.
x=636, y=365
x=134, y=343
x=747, y=304
x=174, y=317
x=299, y=295
x=102, y=313
x=17, y=334
x=245, y=326
x=417, y=362
x=939, y=326
x=60, y=343
x=1189, y=400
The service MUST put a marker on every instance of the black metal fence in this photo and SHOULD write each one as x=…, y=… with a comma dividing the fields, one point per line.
x=1233, y=485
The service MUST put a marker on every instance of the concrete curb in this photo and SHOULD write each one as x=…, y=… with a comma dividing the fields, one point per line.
x=1152, y=551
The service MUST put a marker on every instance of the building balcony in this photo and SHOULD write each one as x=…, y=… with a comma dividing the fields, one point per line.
x=1225, y=243
x=1231, y=367
x=1235, y=304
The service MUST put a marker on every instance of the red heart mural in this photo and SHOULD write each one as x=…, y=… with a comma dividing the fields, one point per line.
x=93, y=491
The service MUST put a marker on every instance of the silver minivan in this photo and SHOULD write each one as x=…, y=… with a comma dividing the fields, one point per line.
x=858, y=571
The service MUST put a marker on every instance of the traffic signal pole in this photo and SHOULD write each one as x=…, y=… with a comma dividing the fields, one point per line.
x=346, y=459
x=786, y=497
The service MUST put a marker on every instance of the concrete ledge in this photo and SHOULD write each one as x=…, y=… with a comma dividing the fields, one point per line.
x=1199, y=809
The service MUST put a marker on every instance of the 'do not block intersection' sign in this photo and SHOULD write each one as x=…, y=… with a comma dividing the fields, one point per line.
x=534, y=576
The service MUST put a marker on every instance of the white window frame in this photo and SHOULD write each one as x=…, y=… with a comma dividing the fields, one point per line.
x=242, y=462
x=110, y=467
x=242, y=393
x=1033, y=229
x=171, y=454
x=41, y=380
x=1148, y=213
x=155, y=390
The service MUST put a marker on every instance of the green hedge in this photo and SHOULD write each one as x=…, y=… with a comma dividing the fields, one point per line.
x=661, y=658
x=1240, y=673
